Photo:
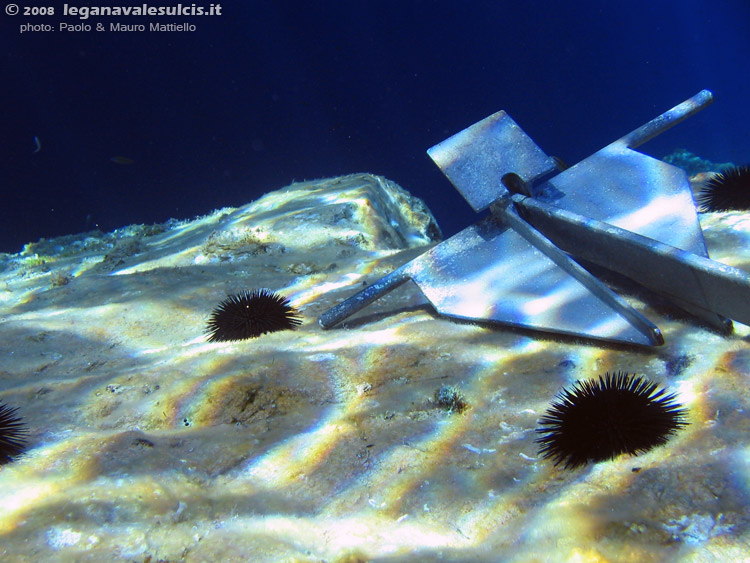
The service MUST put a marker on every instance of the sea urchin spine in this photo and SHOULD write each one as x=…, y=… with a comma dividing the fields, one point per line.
x=12, y=434
x=599, y=420
x=250, y=314
x=727, y=191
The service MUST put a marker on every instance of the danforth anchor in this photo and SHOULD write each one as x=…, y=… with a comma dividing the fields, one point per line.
x=618, y=209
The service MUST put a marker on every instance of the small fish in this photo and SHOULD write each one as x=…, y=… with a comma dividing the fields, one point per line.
x=38, y=144
x=122, y=160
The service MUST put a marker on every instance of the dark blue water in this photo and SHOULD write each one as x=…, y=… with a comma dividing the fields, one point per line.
x=271, y=92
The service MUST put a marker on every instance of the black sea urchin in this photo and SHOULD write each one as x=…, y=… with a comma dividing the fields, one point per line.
x=250, y=314
x=596, y=421
x=12, y=434
x=727, y=191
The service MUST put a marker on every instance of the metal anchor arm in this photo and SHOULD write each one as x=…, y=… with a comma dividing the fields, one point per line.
x=665, y=269
x=666, y=120
x=362, y=299
x=509, y=216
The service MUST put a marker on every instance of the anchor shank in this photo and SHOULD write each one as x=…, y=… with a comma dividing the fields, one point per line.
x=509, y=216
x=663, y=268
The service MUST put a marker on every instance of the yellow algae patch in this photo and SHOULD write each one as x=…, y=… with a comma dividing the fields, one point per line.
x=435, y=449
x=298, y=456
x=589, y=555
x=22, y=496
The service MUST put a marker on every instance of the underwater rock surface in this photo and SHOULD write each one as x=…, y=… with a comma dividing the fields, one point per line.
x=148, y=443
